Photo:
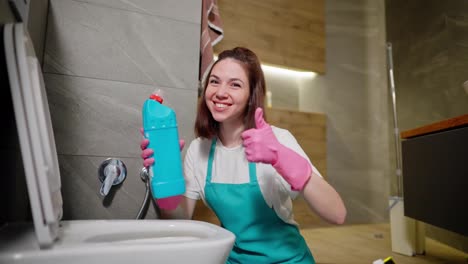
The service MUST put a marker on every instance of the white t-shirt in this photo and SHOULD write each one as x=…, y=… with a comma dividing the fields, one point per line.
x=231, y=166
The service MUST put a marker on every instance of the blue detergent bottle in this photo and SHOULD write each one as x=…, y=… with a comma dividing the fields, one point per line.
x=160, y=128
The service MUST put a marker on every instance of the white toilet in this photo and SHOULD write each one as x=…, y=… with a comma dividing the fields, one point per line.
x=49, y=240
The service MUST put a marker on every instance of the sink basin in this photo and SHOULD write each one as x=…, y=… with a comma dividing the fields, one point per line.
x=120, y=241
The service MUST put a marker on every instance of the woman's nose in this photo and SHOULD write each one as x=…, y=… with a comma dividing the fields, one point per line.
x=222, y=91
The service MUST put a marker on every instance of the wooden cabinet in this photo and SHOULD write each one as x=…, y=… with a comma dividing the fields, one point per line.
x=287, y=33
x=435, y=174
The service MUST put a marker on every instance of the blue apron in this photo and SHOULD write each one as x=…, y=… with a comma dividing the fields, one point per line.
x=261, y=236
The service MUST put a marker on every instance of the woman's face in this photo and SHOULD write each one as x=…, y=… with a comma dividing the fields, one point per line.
x=228, y=91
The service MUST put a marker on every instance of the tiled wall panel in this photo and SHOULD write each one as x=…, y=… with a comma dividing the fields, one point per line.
x=183, y=10
x=102, y=60
x=100, y=117
x=353, y=94
x=99, y=42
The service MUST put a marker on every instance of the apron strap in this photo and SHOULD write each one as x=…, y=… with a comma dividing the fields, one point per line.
x=252, y=173
x=210, y=160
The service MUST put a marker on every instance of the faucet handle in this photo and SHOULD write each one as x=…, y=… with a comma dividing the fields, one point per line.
x=111, y=172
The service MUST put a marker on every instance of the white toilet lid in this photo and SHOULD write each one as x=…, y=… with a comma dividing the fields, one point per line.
x=35, y=133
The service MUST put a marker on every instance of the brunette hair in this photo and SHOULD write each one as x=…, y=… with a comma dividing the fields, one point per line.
x=205, y=125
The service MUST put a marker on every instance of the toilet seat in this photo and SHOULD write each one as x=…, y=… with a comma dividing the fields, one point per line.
x=35, y=133
x=50, y=240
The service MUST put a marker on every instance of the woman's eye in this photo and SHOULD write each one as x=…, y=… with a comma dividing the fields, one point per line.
x=236, y=85
x=213, y=81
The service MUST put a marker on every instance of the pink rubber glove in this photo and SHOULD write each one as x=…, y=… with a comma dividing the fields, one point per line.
x=168, y=203
x=261, y=145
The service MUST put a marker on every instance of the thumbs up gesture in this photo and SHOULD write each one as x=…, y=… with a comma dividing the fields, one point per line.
x=260, y=143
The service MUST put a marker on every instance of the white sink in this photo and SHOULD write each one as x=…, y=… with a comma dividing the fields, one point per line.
x=120, y=241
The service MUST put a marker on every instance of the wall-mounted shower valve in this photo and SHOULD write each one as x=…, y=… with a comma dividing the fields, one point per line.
x=111, y=172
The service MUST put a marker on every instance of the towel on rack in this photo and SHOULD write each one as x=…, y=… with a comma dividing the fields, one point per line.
x=211, y=34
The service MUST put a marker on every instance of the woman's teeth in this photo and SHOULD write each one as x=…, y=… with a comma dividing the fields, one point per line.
x=220, y=105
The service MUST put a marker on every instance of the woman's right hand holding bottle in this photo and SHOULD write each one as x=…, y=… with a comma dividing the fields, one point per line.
x=147, y=153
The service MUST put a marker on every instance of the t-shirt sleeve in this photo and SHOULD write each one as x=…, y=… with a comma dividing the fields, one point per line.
x=192, y=188
x=287, y=139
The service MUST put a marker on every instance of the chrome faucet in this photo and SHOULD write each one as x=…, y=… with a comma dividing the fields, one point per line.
x=111, y=172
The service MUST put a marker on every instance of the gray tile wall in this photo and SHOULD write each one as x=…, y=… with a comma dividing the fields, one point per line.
x=353, y=94
x=431, y=63
x=102, y=60
x=37, y=24
x=430, y=58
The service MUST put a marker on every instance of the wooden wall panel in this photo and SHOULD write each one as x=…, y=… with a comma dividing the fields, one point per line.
x=308, y=128
x=310, y=131
x=287, y=33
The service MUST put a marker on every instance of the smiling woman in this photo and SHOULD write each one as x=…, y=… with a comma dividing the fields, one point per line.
x=247, y=171
x=237, y=80
x=227, y=93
